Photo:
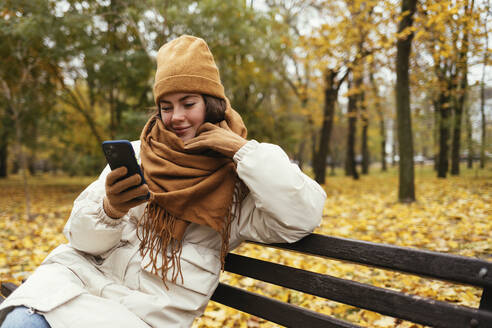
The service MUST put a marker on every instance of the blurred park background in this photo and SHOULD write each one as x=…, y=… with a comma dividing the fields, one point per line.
x=387, y=104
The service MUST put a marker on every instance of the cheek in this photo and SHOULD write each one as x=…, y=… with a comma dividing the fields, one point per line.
x=199, y=116
x=199, y=119
x=166, y=119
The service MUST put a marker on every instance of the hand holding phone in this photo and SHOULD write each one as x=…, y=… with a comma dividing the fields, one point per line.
x=122, y=194
x=125, y=184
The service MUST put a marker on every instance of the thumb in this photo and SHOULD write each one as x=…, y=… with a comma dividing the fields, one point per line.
x=223, y=124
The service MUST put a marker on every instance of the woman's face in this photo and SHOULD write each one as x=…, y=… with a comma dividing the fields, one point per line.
x=182, y=113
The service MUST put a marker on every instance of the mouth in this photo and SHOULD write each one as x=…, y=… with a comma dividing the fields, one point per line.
x=180, y=130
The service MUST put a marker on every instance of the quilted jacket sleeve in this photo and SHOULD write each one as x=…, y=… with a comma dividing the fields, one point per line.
x=284, y=204
x=88, y=228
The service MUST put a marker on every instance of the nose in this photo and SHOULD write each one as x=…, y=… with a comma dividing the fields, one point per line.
x=178, y=115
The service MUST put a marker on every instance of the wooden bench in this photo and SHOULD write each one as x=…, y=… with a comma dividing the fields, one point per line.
x=441, y=266
x=459, y=269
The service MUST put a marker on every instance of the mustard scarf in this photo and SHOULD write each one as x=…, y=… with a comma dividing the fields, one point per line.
x=201, y=188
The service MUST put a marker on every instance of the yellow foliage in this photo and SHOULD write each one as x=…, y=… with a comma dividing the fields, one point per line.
x=24, y=244
x=452, y=215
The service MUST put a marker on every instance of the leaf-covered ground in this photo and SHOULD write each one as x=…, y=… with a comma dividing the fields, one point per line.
x=451, y=215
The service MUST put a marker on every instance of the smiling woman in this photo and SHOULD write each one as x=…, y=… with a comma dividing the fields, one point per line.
x=156, y=262
x=214, y=110
x=182, y=113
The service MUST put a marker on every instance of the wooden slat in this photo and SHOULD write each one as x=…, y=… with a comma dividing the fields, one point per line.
x=273, y=310
x=7, y=288
x=388, y=302
x=447, y=267
x=486, y=300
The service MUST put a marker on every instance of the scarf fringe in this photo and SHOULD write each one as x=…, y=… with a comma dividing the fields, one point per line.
x=157, y=226
x=156, y=240
x=234, y=211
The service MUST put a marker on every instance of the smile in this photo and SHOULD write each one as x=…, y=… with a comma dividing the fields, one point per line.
x=181, y=130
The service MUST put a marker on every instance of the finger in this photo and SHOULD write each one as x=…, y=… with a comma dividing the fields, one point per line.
x=130, y=195
x=207, y=126
x=223, y=124
x=194, y=149
x=124, y=184
x=205, y=140
x=202, y=137
x=198, y=145
x=115, y=175
x=136, y=202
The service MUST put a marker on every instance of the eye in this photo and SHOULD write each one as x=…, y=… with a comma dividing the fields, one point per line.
x=165, y=108
x=188, y=105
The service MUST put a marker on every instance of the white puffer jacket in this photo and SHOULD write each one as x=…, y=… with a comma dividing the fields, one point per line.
x=98, y=279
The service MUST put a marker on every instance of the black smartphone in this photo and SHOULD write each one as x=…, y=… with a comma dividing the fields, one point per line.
x=120, y=153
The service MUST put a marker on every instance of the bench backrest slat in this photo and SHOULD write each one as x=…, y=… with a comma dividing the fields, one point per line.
x=486, y=300
x=273, y=310
x=446, y=267
x=6, y=288
x=385, y=301
x=388, y=302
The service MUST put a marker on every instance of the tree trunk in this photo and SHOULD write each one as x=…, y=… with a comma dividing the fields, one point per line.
x=462, y=68
x=16, y=109
x=332, y=162
x=384, y=166
x=444, y=124
x=394, y=150
x=406, y=191
x=331, y=93
x=364, y=146
x=436, y=135
x=469, y=139
x=382, y=130
x=365, y=149
x=350, y=163
x=33, y=147
x=482, y=91
x=483, y=121
x=456, y=145
x=3, y=154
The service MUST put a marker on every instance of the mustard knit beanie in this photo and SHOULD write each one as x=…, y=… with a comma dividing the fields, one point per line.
x=186, y=64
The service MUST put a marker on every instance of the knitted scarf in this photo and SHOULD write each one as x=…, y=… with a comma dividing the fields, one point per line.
x=200, y=188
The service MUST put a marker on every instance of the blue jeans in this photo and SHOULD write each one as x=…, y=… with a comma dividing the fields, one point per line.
x=21, y=316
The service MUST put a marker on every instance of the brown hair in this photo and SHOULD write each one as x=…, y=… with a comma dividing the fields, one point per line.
x=214, y=109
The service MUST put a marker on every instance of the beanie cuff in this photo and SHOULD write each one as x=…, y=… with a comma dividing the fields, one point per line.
x=188, y=83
